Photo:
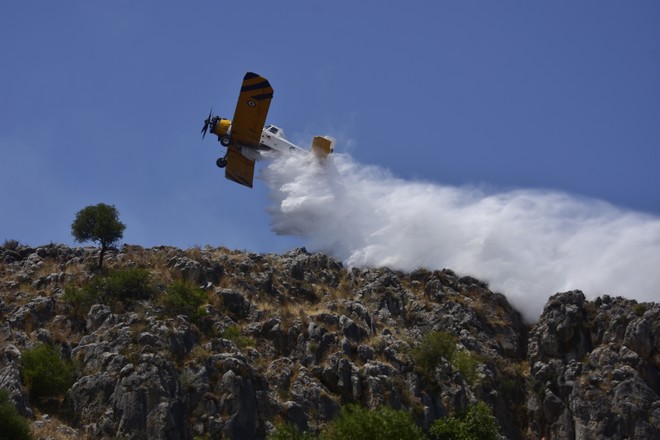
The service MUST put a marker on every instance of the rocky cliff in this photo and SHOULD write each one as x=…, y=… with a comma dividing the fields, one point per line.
x=293, y=337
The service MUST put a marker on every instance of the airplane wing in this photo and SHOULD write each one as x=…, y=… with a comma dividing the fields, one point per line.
x=239, y=168
x=251, y=110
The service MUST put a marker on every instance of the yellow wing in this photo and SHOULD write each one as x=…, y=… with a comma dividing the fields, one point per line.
x=251, y=110
x=239, y=168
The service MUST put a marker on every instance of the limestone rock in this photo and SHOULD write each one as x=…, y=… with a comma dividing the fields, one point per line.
x=294, y=337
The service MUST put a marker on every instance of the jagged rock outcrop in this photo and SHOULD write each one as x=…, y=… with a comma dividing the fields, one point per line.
x=595, y=368
x=294, y=337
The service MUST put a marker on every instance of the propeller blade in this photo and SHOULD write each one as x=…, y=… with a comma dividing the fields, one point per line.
x=206, y=123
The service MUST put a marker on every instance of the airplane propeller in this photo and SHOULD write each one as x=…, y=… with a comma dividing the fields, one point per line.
x=207, y=122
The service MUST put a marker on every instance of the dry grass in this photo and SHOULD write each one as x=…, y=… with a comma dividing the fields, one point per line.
x=53, y=429
x=290, y=311
x=198, y=354
x=75, y=273
x=62, y=333
x=49, y=266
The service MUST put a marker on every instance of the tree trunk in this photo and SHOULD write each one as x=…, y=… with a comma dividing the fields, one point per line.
x=103, y=249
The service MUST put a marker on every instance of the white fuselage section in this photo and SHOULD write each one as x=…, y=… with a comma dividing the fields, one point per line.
x=272, y=138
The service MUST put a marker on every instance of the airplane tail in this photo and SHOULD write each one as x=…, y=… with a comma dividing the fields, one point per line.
x=323, y=145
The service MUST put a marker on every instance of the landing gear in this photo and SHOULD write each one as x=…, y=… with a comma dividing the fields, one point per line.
x=225, y=141
x=221, y=162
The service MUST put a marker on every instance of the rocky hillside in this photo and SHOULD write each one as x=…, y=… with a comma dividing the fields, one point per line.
x=292, y=338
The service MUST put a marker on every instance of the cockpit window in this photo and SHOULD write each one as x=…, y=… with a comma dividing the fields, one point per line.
x=273, y=129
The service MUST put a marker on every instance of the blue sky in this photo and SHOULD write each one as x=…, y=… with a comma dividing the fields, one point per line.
x=104, y=101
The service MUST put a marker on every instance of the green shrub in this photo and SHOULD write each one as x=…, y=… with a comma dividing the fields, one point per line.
x=80, y=299
x=12, y=425
x=45, y=374
x=478, y=423
x=119, y=285
x=127, y=285
x=481, y=423
x=233, y=333
x=440, y=345
x=640, y=309
x=288, y=431
x=183, y=298
x=359, y=423
x=448, y=428
x=466, y=363
x=432, y=349
x=11, y=245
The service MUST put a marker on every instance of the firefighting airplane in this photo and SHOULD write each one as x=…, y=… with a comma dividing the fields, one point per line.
x=246, y=137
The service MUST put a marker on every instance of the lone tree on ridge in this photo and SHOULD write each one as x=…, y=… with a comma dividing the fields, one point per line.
x=98, y=223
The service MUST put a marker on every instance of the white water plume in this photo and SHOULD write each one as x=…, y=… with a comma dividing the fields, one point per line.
x=527, y=244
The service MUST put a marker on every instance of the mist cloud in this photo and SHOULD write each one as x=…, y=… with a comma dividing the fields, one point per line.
x=527, y=244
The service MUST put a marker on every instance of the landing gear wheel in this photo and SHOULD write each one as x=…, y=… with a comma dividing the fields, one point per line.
x=221, y=162
x=225, y=141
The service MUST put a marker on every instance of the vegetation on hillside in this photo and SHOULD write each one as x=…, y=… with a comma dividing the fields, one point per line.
x=98, y=223
x=267, y=318
x=12, y=425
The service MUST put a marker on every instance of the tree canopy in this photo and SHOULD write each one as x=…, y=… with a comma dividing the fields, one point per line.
x=98, y=223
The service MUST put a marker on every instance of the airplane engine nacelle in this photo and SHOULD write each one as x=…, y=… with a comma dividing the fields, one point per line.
x=221, y=127
x=323, y=145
